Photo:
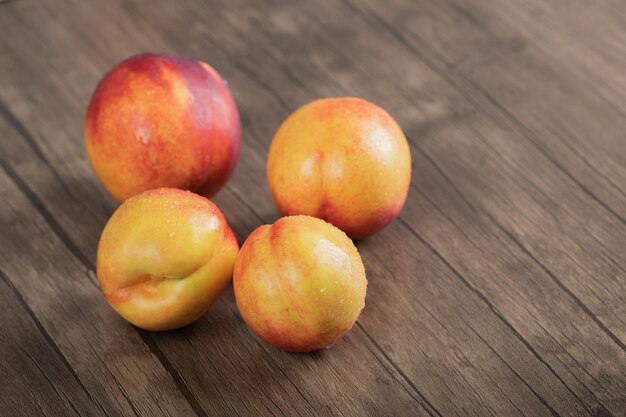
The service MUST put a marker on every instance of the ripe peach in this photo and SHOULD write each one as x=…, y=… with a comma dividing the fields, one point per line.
x=164, y=257
x=300, y=283
x=162, y=121
x=344, y=160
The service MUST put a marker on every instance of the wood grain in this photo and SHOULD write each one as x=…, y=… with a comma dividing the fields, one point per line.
x=36, y=378
x=501, y=289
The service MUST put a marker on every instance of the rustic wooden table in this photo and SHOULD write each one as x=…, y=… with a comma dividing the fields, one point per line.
x=500, y=290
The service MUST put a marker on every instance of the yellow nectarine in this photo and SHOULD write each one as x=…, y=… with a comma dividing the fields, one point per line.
x=344, y=160
x=300, y=283
x=162, y=121
x=164, y=257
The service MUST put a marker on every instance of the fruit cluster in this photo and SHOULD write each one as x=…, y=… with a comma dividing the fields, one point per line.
x=163, y=134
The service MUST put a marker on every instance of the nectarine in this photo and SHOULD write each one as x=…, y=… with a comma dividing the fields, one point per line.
x=344, y=160
x=300, y=283
x=164, y=257
x=162, y=121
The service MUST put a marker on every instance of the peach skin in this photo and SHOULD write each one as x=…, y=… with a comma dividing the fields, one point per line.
x=344, y=160
x=164, y=257
x=299, y=284
x=162, y=121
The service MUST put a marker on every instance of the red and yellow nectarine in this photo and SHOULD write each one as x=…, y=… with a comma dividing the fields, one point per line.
x=344, y=160
x=300, y=283
x=162, y=121
x=164, y=257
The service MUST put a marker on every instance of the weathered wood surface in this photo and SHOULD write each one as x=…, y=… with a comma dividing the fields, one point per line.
x=500, y=290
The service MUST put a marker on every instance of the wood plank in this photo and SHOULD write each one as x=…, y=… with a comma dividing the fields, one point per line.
x=550, y=74
x=238, y=377
x=36, y=379
x=547, y=307
x=459, y=112
x=577, y=203
x=186, y=362
x=578, y=240
x=271, y=78
x=555, y=327
x=109, y=359
x=43, y=176
x=582, y=38
x=370, y=387
x=517, y=77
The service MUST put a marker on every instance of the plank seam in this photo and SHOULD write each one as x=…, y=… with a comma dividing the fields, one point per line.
x=562, y=286
x=552, y=276
x=430, y=409
x=279, y=368
x=586, y=161
x=591, y=393
x=171, y=369
x=482, y=297
x=541, y=399
x=54, y=386
x=531, y=137
x=17, y=125
x=49, y=340
x=558, y=282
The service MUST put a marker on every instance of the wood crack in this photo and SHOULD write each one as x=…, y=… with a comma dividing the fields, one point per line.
x=430, y=408
x=587, y=163
x=539, y=397
x=562, y=286
x=591, y=393
x=171, y=369
x=61, y=394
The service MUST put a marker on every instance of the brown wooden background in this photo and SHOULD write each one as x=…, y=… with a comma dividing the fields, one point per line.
x=500, y=290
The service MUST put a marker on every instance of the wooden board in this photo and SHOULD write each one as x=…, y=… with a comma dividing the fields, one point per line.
x=500, y=290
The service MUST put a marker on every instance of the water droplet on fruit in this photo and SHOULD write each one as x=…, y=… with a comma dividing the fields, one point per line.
x=143, y=134
x=322, y=289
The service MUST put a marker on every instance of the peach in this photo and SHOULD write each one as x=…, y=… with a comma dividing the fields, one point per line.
x=162, y=121
x=344, y=160
x=299, y=284
x=164, y=257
